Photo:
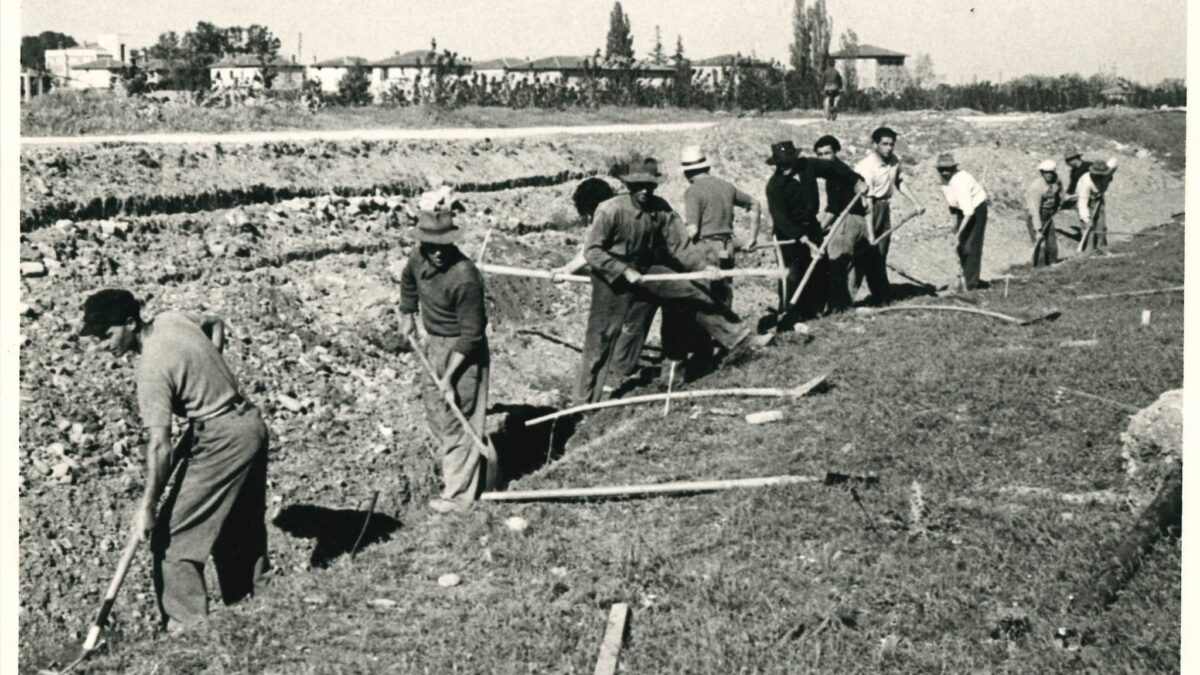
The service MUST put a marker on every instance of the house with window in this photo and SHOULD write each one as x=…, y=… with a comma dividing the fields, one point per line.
x=501, y=69
x=572, y=71
x=874, y=67
x=246, y=70
x=98, y=74
x=329, y=73
x=404, y=70
x=715, y=69
x=61, y=64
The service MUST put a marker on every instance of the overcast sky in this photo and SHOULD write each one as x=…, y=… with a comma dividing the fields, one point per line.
x=1145, y=40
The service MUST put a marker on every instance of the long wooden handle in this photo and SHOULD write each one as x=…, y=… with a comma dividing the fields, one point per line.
x=769, y=392
x=651, y=489
x=489, y=453
x=875, y=240
x=946, y=308
x=93, y=636
x=812, y=266
x=1087, y=233
x=507, y=270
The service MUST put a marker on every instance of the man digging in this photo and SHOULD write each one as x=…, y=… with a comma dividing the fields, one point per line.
x=628, y=238
x=217, y=504
x=849, y=249
x=1078, y=168
x=968, y=203
x=1043, y=197
x=447, y=289
x=1090, y=204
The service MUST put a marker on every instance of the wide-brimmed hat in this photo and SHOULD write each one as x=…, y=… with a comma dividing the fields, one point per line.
x=946, y=161
x=109, y=307
x=436, y=227
x=1073, y=154
x=783, y=152
x=692, y=157
x=1047, y=165
x=1102, y=168
x=642, y=178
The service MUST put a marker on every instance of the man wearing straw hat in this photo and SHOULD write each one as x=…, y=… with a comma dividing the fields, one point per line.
x=968, y=203
x=447, y=289
x=1043, y=197
x=627, y=239
x=217, y=504
x=1091, y=190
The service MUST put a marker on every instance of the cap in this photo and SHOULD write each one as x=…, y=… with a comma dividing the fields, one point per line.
x=1047, y=165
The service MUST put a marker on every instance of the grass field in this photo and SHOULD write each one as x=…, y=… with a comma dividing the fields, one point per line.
x=964, y=578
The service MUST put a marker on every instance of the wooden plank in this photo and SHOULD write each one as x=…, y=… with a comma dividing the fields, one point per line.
x=678, y=487
x=614, y=636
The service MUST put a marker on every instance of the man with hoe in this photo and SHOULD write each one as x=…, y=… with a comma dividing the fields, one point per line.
x=968, y=203
x=447, y=289
x=1090, y=204
x=217, y=504
x=794, y=202
x=628, y=238
x=849, y=248
x=1043, y=197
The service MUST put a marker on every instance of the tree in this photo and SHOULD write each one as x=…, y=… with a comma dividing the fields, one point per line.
x=355, y=86
x=850, y=71
x=801, y=42
x=820, y=35
x=620, y=39
x=33, y=48
x=659, y=56
x=922, y=74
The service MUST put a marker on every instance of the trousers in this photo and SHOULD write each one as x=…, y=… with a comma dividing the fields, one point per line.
x=852, y=256
x=1099, y=237
x=970, y=246
x=463, y=465
x=1045, y=253
x=873, y=262
x=216, y=506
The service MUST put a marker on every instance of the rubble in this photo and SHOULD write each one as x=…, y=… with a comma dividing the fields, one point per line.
x=1152, y=444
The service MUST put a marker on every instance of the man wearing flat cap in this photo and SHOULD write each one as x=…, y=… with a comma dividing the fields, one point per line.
x=628, y=238
x=217, y=505
x=447, y=289
x=794, y=202
x=1043, y=198
x=968, y=203
x=1090, y=204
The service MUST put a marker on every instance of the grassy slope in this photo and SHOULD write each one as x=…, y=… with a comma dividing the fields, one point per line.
x=1160, y=132
x=788, y=579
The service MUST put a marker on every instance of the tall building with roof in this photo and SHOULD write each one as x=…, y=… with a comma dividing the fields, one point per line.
x=874, y=67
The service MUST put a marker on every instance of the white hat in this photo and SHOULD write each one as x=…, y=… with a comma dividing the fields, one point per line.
x=692, y=157
x=1112, y=163
x=1047, y=165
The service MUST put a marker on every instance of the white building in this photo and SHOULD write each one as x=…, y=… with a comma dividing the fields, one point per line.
x=874, y=67
x=403, y=71
x=98, y=74
x=501, y=69
x=245, y=70
x=61, y=64
x=715, y=68
x=329, y=73
x=116, y=44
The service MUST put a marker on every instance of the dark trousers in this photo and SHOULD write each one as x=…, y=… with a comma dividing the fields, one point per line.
x=216, y=506
x=851, y=257
x=797, y=258
x=1099, y=236
x=970, y=246
x=1045, y=252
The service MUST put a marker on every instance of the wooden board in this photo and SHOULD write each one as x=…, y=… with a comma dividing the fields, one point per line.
x=614, y=636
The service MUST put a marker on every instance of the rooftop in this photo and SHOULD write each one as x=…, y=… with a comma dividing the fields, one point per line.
x=341, y=62
x=867, y=52
x=501, y=63
x=253, y=61
x=417, y=57
x=730, y=59
x=102, y=63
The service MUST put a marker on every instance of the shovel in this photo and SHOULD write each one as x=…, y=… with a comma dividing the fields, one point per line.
x=488, y=452
x=93, y=636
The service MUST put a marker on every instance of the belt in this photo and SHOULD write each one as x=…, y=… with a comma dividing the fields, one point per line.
x=238, y=404
x=723, y=236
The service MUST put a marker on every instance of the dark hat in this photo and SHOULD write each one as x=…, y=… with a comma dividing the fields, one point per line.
x=436, y=227
x=109, y=307
x=642, y=178
x=1072, y=155
x=1102, y=168
x=946, y=161
x=783, y=152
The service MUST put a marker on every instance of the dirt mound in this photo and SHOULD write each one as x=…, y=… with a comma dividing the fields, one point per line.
x=1153, y=443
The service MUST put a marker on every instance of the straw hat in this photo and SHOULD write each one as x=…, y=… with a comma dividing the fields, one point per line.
x=436, y=227
x=692, y=157
x=946, y=161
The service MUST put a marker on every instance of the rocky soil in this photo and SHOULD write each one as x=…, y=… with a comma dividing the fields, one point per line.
x=303, y=265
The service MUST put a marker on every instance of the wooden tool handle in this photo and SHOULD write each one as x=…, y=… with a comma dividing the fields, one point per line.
x=812, y=266
x=93, y=635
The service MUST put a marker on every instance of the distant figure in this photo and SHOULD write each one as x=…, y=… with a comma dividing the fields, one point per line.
x=832, y=86
x=1042, y=200
x=1090, y=204
x=968, y=203
x=1079, y=169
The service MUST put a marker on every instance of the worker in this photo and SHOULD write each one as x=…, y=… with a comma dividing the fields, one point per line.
x=794, y=203
x=832, y=86
x=1090, y=204
x=881, y=170
x=1043, y=197
x=1079, y=168
x=968, y=203
x=628, y=239
x=849, y=247
x=217, y=505
x=447, y=289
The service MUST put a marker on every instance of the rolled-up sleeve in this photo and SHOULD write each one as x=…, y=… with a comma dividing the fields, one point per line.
x=693, y=210
x=1084, y=190
x=408, y=289
x=472, y=322
x=742, y=198
x=154, y=394
x=596, y=253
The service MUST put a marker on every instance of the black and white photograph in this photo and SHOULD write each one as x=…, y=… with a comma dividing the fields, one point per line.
x=594, y=336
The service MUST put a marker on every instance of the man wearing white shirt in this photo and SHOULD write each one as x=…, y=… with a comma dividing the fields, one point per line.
x=1090, y=190
x=881, y=171
x=968, y=202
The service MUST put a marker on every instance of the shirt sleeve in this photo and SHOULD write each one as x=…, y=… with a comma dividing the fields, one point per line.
x=599, y=239
x=469, y=308
x=153, y=394
x=1084, y=190
x=898, y=178
x=961, y=187
x=691, y=206
x=408, y=289
x=742, y=198
x=1033, y=200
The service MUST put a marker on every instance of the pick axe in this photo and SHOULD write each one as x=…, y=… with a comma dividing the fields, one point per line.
x=488, y=452
x=875, y=240
x=812, y=266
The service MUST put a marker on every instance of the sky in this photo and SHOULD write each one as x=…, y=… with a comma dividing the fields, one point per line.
x=1144, y=40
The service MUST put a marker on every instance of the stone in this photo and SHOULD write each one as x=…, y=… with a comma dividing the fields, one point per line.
x=290, y=403
x=1153, y=442
x=764, y=417
x=516, y=523
x=382, y=603
x=449, y=580
x=33, y=269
